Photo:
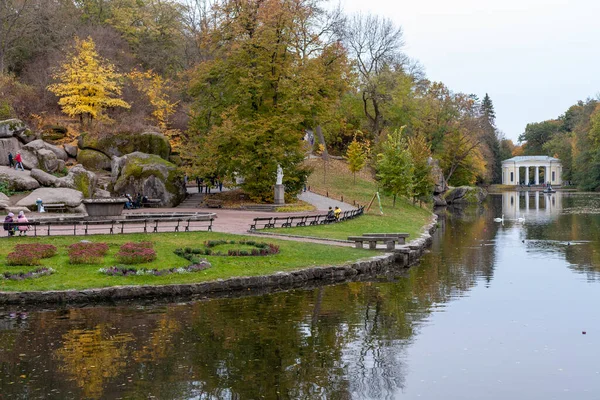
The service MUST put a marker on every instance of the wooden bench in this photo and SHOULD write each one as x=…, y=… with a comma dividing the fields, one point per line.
x=58, y=207
x=359, y=240
x=213, y=203
x=400, y=236
x=267, y=222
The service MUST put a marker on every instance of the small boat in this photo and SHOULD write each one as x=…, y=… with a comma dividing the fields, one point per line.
x=549, y=190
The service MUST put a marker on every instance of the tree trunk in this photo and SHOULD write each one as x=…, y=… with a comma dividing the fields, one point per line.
x=321, y=138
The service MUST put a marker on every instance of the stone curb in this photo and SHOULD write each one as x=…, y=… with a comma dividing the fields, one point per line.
x=406, y=257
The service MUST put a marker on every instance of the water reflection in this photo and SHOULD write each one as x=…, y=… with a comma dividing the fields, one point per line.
x=531, y=204
x=481, y=309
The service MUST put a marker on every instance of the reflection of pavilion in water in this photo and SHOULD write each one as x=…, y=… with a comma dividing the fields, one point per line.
x=531, y=203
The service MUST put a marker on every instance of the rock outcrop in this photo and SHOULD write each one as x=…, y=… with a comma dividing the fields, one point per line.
x=70, y=197
x=465, y=195
x=8, y=145
x=11, y=127
x=80, y=179
x=19, y=181
x=4, y=201
x=71, y=150
x=40, y=144
x=122, y=143
x=44, y=178
x=150, y=175
x=93, y=159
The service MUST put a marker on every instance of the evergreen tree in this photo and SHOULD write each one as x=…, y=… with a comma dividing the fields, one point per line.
x=490, y=139
x=88, y=83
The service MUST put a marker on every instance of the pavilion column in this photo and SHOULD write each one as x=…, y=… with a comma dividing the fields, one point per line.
x=546, y=174
x=527, y=175
x=537, y=175
x=517, y=175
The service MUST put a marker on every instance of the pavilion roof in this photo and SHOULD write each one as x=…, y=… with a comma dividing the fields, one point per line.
x=531, y=158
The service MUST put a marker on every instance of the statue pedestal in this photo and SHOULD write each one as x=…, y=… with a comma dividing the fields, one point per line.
x=279, y=194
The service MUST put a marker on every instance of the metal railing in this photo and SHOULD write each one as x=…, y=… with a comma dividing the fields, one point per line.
x=134, y=223
x=302, y=220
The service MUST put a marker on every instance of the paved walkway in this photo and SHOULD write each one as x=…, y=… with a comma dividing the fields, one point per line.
x=239, y=221
x=323, y=203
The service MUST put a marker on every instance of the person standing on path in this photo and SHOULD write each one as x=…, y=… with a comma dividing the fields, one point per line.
x=11, y=161
x=19, y=162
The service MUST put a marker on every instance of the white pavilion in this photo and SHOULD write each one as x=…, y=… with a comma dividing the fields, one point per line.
x=531, y=170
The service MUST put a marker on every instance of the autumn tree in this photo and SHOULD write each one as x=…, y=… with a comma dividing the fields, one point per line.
x=395, y=169
x=356, y=157
x=256, y=98
x=375, y=44
x=420, y=154
x=460, y=157
x=88, y=84
x=157, y=90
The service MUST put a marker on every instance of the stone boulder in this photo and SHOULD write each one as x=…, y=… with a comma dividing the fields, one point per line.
x=438, y=201
x=93, y=159
x=47, y=160
x=27, y=136
x=70, y=197
x=19, y=181
x=101, y=193
x=54, y=132
x=4, y=201
x=40, y=144
x=150, y=175
x=71, y=150
x=465, y=195
x=438, y=176
x=122, y=143
x=44, y=178
x=8, y=145
x=9, y=127
x=81, y=180
x=30, y=158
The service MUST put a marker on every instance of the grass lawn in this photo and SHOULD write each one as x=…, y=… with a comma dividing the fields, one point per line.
x=292, y=255
x=404, y=217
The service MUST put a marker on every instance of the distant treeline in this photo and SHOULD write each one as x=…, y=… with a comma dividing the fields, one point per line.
x=574, y=138
x=236, y=83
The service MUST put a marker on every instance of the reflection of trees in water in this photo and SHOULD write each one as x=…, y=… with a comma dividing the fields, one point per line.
x=574, y=235
x=333, y=342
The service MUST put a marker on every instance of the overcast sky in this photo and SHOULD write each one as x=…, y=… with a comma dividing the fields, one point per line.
x=535, y=58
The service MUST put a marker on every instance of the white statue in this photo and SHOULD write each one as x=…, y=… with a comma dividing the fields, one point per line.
x=279, y=175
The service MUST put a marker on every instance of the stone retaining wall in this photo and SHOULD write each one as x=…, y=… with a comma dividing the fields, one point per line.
x=373, y=266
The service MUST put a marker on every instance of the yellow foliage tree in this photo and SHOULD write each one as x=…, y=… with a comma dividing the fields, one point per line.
x=156, y=88
x=356, y=156
x=88, y=84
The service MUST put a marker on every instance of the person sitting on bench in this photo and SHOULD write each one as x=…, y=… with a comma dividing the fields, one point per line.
x=330, y=216
x=337, y=213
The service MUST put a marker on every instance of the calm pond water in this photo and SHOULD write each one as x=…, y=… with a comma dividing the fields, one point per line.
x=495, y=311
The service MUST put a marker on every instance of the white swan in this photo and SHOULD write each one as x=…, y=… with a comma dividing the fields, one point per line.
x=499, y=219
x=521, y=218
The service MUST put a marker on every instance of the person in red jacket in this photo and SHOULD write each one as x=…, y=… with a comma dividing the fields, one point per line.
x=19, y=162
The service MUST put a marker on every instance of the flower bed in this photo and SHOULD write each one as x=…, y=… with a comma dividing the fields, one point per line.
x=30, y=254
x=260, y=249
x=87, y=252
x=18, y=276
x=119, y=270
x=136, y=253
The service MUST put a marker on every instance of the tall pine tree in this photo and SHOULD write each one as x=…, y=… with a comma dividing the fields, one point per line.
x=490, y=138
